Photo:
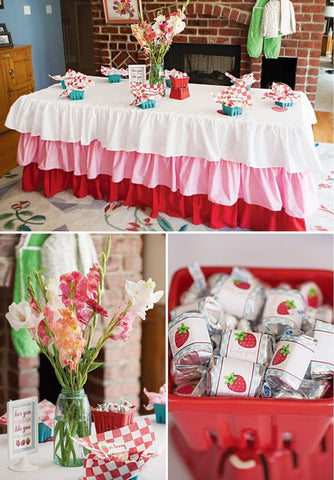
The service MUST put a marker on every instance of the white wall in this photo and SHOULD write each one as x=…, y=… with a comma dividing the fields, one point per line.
x=303, y=250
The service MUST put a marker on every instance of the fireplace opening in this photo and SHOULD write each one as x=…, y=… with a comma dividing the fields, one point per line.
x=205, y=63
x=282, y=69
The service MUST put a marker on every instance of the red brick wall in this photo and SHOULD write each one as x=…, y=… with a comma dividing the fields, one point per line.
x=120, y=376
x=212, y=21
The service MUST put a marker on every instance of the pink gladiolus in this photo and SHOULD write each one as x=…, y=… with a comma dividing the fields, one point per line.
x=124, y=327
x=77, y=290
x=94, y=279
x=49, y=314
x=69, y=283
x=68, y=338
x=91, y=303
x=45, y=339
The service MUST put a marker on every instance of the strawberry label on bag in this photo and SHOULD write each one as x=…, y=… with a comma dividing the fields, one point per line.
x=234, y=294
x=290, y=362
x=188, y=331
x=324, y=352
x=249, y=346
x=285, y=304
x=232, y=377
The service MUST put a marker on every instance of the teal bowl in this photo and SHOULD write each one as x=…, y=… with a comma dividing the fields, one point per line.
x=77, y=94
x=284, y=104
x=232, y=111
x=114, y=78
x=148, y=104
x=168, y=84
x=44, y=432
x=160, y=412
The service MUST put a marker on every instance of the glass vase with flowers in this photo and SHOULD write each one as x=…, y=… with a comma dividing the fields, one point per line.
x=62, y=316
x=156, y=39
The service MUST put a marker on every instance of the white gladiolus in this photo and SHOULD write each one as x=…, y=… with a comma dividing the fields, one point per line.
x=21, y=316
x=53, y=295
x=176, y=24
x=142, y=295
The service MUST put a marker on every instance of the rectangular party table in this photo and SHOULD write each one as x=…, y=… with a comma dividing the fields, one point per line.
x=184, y=158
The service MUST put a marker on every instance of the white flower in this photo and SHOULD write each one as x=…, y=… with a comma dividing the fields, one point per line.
x=53, y=295
x=142, y=296
x=21, y=316
x=176, y=24
x=160, y=19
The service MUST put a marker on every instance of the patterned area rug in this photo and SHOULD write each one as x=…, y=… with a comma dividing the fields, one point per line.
x=31, y=211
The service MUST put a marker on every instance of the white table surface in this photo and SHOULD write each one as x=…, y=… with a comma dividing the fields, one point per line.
x=260, y=137
x=48, y=470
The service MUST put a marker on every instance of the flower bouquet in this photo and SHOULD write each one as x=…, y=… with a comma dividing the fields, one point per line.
x=62, y=317
x=156, y=39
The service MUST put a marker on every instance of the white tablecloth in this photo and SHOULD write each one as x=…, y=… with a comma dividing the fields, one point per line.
x=260, y=137
x=155, y=470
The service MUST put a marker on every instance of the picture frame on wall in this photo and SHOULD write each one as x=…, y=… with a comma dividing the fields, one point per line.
x=5, y=39
x=122, y=11
x=3, y=28
x=1, y=4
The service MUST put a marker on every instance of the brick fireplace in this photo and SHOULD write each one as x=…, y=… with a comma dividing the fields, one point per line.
x=120, y=375
x=217, y=22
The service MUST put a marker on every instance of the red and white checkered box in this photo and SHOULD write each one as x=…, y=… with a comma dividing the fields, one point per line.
x=137, y=437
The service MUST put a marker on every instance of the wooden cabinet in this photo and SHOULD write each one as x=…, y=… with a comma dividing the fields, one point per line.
x=16, y=77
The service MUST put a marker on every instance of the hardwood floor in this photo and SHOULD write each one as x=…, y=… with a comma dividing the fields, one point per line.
x=323, y=130
x=8, y=147
x=323, y=133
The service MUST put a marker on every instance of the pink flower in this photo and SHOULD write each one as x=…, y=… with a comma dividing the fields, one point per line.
x=96, y=307
x=77, y=290
x=69, y=284
x=124, y=327
x=41, y=332
x=68, y=338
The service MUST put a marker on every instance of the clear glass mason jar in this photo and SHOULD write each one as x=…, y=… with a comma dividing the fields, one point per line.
x=72, y=419
x=156, y=73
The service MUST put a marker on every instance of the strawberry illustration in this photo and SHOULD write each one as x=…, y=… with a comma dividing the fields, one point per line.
x=23, y=442
x=312, y=297
x=284, y=307
x=17, y=443
x=181, y=335
x=246, y=340
x=28, y=441
x=241, y=284
x=281, y=355
x=236, y=383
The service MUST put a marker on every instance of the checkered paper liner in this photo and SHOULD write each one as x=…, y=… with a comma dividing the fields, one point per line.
x=155, y=398
x=248, y=78
x=80, y=82
x=46, y=413
x=237, y=95
x=137, y=438
x=68, y=75
x=281, y=92
x=144, y=92
x=175, y=74
x=114, y=71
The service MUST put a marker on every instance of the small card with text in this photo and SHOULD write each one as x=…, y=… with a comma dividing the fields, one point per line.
x=22, y=427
